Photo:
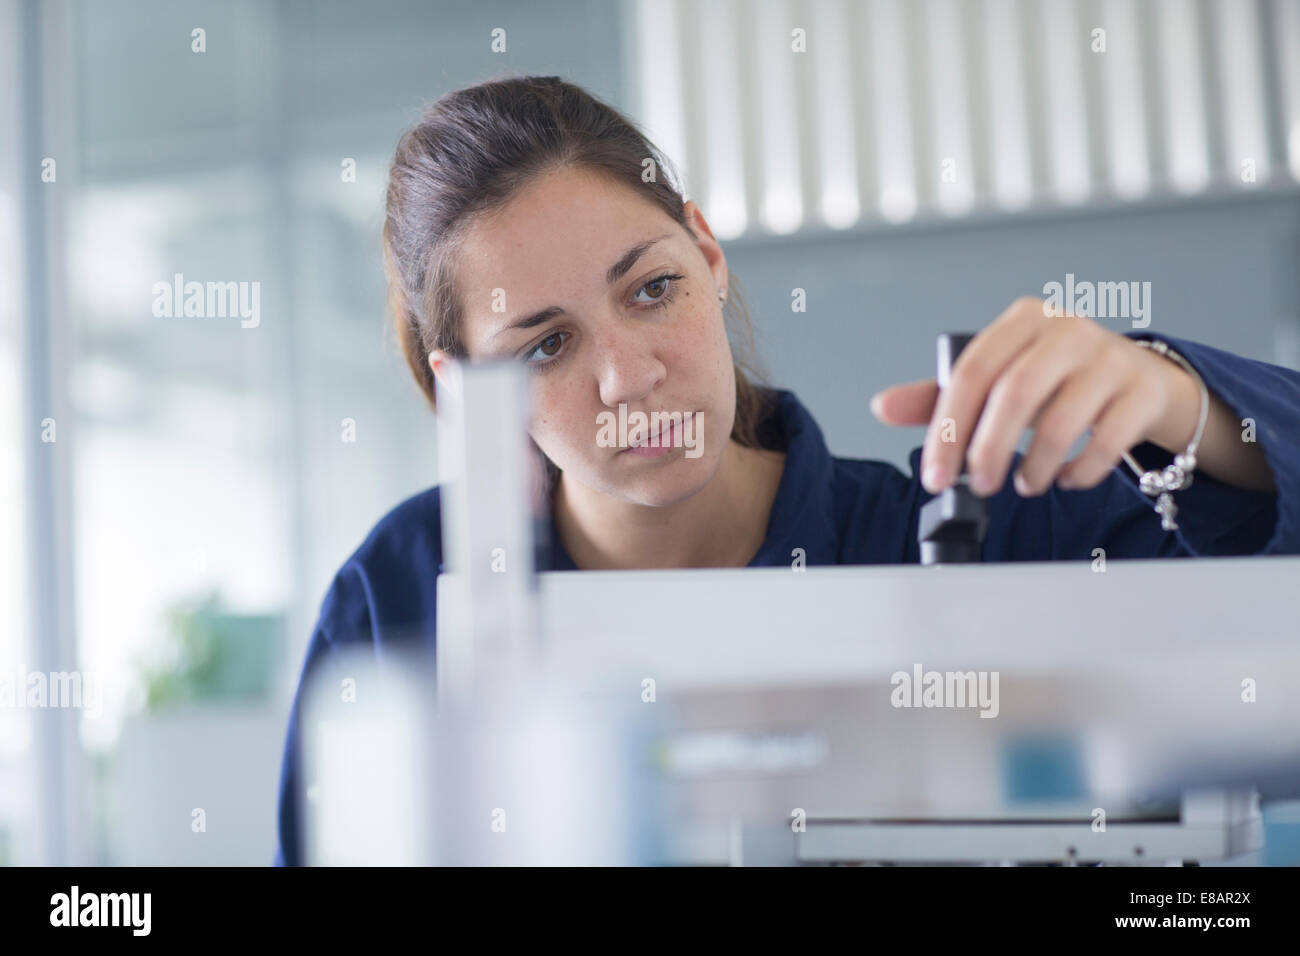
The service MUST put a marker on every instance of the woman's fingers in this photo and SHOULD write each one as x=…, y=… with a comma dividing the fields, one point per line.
x=1066, y=346
x=1059, y=375
x=1121, y=426
x=911, y=403
x=1071, y=412
x=976, y=369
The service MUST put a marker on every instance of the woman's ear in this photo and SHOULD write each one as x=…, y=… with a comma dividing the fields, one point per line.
x=713, y=254
x=446, y=372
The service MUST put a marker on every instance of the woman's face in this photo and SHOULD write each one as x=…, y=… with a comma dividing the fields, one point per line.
x=631, y=316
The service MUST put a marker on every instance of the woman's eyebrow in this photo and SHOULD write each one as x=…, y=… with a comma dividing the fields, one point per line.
x=612, y=275
x=620, y=268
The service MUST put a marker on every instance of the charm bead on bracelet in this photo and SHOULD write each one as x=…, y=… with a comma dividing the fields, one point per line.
x=1178, y=475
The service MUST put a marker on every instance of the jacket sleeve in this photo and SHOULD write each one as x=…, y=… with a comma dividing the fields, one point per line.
x=344, y=618
x=382, y=603
x=1214, y=519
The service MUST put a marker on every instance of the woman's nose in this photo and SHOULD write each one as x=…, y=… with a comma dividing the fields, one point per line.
x=628, y=371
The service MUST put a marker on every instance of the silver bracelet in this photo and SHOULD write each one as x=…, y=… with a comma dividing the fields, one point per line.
x=1178, y=475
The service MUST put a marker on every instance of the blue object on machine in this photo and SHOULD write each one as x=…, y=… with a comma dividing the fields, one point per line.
x=1043, y=768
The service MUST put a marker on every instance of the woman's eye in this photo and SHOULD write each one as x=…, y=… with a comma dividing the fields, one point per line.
x=660, y=288
x=548, y=346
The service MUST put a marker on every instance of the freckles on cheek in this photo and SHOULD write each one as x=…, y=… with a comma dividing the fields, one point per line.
x=557, y=421
x=705, y=342
x=694, y=341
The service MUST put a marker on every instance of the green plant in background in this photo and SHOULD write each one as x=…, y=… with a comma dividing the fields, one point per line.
x=212, y=654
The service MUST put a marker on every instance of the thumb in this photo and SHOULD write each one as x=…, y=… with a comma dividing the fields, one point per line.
x=909, y=404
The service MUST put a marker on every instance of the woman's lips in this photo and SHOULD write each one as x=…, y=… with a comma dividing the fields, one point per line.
x=668, y=440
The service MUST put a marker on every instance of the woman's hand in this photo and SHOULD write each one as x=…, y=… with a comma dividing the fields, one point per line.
x=1061, y=376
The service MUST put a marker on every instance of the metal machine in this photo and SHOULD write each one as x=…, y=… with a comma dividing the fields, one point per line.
x=964, y=714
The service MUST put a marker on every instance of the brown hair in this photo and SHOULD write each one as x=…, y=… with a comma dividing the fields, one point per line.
x=466, y=156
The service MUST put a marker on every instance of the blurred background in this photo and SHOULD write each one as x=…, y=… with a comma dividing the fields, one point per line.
x=182, y=490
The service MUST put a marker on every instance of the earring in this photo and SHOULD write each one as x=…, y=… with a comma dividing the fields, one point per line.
x=722, y=295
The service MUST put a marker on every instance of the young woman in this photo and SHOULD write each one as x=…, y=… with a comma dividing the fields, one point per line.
x=527, y=220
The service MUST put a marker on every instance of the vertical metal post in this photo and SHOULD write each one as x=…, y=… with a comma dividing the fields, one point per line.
x=44, y=74
x=490, y=482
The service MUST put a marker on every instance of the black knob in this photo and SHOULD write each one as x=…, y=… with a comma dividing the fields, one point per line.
x=951, y=526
